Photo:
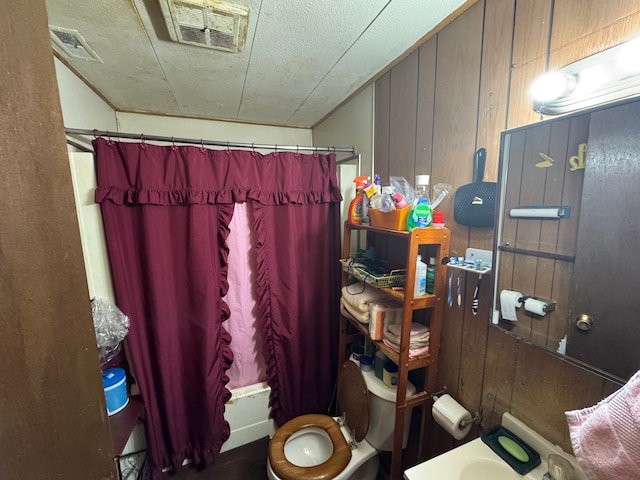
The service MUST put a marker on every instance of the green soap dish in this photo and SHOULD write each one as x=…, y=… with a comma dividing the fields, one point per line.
x=512, y=449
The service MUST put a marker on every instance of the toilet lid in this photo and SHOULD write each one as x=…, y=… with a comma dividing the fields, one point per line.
x=353, y=399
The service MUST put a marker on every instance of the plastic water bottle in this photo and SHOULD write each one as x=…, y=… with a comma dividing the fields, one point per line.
x=420, y=215
x=420, y=286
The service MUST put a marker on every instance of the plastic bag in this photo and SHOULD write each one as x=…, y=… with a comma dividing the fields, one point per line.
x=111, y=326
x=404, y=188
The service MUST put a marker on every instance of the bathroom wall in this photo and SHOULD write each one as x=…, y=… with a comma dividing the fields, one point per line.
x=452, y=95
x=81, y=106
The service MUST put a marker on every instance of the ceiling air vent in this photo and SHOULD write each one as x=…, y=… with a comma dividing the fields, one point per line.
x=71, y=44
x=206, y=23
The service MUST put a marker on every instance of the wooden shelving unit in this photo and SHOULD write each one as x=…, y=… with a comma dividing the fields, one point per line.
x=437, y=241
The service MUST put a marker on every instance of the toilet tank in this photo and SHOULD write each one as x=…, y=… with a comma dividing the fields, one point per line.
x=382, y=405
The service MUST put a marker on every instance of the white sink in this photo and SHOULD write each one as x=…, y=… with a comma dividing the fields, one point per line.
x=476, y=461
x=471, y=461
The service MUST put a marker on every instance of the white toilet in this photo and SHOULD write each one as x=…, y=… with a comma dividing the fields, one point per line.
x=320, y=447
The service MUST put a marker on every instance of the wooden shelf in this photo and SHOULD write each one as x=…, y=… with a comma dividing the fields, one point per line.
x=121, y=424
x=436, y=239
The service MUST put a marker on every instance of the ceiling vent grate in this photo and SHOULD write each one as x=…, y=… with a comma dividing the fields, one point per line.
x=71, y=44
x=206, y=23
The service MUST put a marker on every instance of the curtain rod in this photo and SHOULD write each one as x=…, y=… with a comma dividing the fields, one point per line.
x=199, y=141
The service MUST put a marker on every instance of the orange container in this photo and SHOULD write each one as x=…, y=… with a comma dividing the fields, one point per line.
x=393, y=220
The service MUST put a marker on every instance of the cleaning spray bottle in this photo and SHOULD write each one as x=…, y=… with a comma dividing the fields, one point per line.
x=355, y=208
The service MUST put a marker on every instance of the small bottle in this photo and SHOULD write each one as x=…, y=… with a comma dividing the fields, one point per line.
x=438, y=219
x=421, y=278
x=378, y=363
x=390, y=374
x=420, y=215
x=431, y=275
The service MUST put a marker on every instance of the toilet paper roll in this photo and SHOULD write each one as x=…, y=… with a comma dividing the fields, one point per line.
x=509, y=301
x=535, y=306
x=449, y=414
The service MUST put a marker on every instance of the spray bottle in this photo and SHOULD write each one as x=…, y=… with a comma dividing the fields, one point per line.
x=355, y=208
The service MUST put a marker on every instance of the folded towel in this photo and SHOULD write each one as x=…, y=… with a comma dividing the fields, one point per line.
x=413, y=344
x=412, y=352
x=417, y=329
x=419, y=335
x=353, y=313
x=606, y=437
x=381, y=315
x=358, y=298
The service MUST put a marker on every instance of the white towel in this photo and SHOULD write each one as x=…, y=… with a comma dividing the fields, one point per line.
x=606, y=437
x=358, y=298
x=349, y=311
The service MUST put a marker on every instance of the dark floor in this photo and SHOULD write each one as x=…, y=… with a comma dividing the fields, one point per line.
x=248, y=461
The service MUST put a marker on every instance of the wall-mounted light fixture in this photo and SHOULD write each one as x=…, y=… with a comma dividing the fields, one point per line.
x=610, y=75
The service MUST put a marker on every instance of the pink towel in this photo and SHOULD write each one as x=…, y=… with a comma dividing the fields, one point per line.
x=606, y=437
x=412, y=352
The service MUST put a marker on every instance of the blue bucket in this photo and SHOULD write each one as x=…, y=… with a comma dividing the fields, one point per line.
x=115, y=389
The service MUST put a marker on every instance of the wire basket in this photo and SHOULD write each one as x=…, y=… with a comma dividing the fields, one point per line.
x=395, y=278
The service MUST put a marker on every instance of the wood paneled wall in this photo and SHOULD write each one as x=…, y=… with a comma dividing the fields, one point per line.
x=456, y=93
x=53, y=420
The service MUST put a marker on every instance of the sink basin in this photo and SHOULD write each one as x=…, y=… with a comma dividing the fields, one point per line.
x=471, y=461
x=476, y=461
x=486, y=469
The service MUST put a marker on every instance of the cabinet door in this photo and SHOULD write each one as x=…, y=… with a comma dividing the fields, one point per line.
x=607, y=276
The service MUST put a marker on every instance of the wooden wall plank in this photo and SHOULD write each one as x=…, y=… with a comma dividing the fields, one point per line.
x=492, y=110
x=530, y=47
x=575, y=20
x=597, y=40
x=499, y=377
x=425, y=105
x=402, y=118
x=456, y=114
x=54, y=421
x=531, y=33
x=456, y=104
x=382, y=127
x=546, y=387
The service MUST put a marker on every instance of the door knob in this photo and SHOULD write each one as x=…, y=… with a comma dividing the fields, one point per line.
x=584, y=322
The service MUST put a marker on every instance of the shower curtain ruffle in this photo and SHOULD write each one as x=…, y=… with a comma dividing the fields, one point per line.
x=145, y=196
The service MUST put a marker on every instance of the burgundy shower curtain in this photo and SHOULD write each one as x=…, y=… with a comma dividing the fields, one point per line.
x=166, y=212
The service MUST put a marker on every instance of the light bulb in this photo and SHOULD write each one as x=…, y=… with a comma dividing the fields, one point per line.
x=552, y=86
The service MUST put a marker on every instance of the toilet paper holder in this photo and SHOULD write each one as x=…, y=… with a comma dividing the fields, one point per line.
x=463, y=423
x=474, y=419
x=549, y=306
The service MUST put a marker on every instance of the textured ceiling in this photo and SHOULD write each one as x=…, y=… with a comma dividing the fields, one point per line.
x=302, y=57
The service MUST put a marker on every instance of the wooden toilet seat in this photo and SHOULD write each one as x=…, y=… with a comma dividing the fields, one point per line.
x=326, y=470
x=353, y=400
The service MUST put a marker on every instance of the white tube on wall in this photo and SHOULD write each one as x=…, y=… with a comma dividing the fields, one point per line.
x=560, y=211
